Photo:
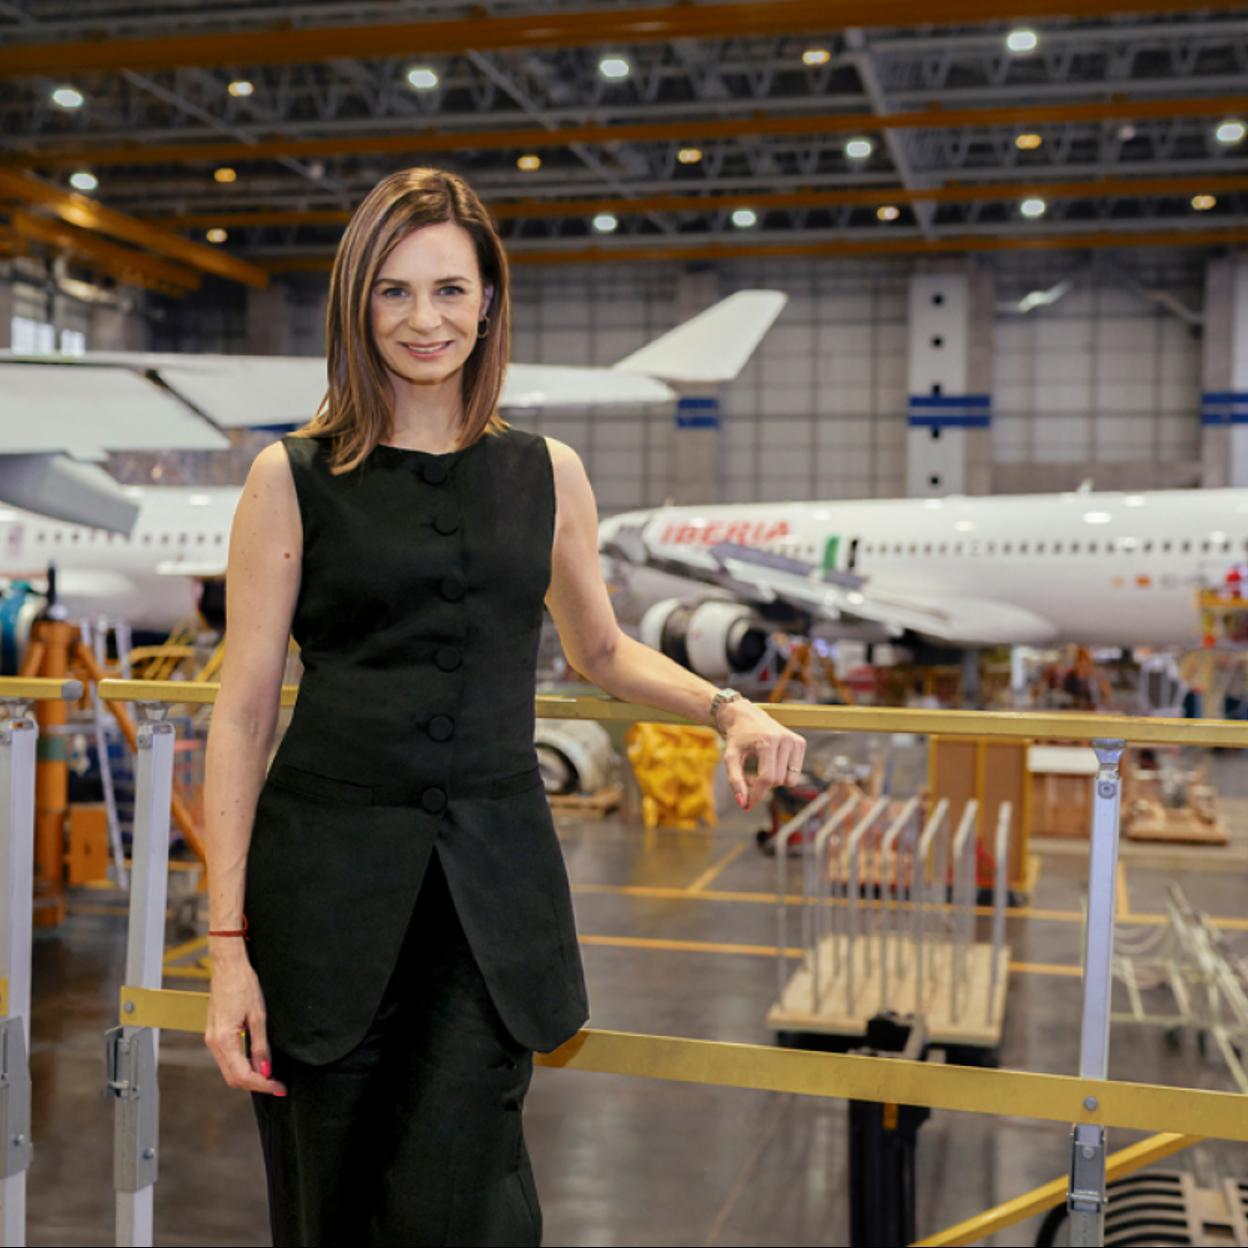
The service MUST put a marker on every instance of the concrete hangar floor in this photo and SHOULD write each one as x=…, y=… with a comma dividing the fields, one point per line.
x=678, y=935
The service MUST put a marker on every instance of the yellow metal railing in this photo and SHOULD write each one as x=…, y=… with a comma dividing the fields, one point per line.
x=1182, y=1115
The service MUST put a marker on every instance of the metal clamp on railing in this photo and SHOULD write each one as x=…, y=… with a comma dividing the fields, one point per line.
x=18, y=736
x=130, y=1061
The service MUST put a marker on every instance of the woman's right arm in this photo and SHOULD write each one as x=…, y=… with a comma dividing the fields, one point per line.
x=261, y=586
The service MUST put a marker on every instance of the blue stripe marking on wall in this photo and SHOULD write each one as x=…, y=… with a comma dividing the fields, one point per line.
x=950, y=411
x=950, y=422
x=950, y=400
x=697, y=412
x=1224, y=407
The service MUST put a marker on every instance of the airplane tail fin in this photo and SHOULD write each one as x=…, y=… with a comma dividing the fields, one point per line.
x=712, y=346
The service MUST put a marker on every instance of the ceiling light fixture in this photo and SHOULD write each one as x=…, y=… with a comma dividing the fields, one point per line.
x=689, y=155
x=1202, y=203
x=83, y=180
x=422, y=78
x=1230, y=131
x=529, y=162
x=241, y=88
x=614, y=68
x=888, y=212
x=605, y=223
x=1022, y=40
x=1028, y=142
x=1033, y=208
x=859, y=149
x=216, y=235
x=744, y=218
x=67, y=97
x=816, y=56
x=225, y=174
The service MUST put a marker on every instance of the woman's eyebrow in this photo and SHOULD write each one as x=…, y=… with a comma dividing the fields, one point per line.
x=398, y=281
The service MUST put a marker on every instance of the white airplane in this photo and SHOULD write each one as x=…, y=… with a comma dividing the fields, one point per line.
x=709, y=583
x=61, y=415
x=153, y=556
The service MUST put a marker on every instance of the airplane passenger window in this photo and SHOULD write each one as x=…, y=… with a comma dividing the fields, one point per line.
x=199, y=539
x=41, y=536
x=1226, y=546
x=1057, y=548
x=1039, y=548
x=1187, y=548
x=1007, y=548
x=1147, y=548
x=75, y=536
x=217, y=539
x=943, y=548
x=1091, y=548
x=164, y=539
x=1022, y=548
x=1074, y=548
x=56, y=537
x=913, y=549
x=1165, y=547
x=896, y=548
x=957, y=548
x=1204, y=546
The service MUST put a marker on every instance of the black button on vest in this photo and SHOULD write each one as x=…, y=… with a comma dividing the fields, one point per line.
x=395, y=665
x=445, y=522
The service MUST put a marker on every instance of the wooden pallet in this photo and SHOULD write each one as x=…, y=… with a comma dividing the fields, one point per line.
x=978, y=1023
x=588, y=805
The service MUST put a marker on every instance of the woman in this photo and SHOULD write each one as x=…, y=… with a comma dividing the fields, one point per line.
x=409, y=924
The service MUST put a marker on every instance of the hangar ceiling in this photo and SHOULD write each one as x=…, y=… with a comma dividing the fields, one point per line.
x=601, y=131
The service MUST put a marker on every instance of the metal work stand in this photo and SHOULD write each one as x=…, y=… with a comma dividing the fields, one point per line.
x=18, y=735
x=132, y=1052
x=1085, y=1197
x=882, y=1142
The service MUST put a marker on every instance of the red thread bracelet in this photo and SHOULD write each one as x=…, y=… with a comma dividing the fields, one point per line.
x=241, y=932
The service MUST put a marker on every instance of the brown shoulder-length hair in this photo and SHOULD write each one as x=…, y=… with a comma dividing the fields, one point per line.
x=355, y=412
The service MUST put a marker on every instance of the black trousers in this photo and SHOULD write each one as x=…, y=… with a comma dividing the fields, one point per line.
x=414, y=1137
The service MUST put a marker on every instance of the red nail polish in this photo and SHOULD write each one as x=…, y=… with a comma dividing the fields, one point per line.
x=266, y=1068
x=279, y=1093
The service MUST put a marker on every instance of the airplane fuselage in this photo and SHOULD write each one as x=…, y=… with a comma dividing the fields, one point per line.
x=1102, y=568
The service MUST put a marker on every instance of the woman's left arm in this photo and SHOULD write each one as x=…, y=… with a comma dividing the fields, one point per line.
x=601, y=651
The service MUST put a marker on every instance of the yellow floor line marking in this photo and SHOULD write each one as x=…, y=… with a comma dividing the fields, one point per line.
x=1122, y=897
x=655, y=944
x=714, y=870
x=174, y=952
x=672, y=893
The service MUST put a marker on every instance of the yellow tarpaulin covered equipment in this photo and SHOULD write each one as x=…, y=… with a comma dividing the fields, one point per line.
x=675, y=769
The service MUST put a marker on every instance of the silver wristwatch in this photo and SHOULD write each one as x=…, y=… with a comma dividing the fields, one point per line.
x=721, y=697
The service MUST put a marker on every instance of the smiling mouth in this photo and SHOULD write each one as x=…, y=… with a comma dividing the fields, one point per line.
x=424, y=352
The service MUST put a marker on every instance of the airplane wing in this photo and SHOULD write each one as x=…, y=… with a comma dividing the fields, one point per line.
x=765, y=579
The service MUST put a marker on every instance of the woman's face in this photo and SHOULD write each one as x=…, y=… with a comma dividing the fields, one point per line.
x=426, y=304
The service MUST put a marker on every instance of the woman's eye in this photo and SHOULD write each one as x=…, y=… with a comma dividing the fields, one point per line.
x=393, y=290
x=454, y=290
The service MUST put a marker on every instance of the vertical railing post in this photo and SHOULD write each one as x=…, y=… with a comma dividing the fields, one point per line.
x=132, y=1052
x=1085, y=1197
x=18, y=735
x=1000, y=888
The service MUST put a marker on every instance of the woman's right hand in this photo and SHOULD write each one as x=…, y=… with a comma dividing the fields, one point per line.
x=235, y=1006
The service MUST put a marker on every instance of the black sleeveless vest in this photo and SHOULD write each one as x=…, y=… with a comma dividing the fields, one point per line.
x=418, y=618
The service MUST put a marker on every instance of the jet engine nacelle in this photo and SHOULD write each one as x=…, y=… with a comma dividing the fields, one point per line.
x=19, y=608
x=713, y=637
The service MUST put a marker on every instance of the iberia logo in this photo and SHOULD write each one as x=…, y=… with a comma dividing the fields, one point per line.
x=743, y=532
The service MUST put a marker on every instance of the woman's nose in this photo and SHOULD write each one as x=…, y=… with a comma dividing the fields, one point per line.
x=422, y=314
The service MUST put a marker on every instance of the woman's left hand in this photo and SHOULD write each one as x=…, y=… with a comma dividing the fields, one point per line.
x=749, y=732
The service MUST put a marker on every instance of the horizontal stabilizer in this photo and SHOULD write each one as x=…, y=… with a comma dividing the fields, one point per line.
x=714, y=345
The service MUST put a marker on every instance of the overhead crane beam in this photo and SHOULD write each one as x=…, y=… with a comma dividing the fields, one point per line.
x=837, y=248
x=432, y=140
x=870, y=196
x=545, y=30
x=87, y=214
x=120, y=262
